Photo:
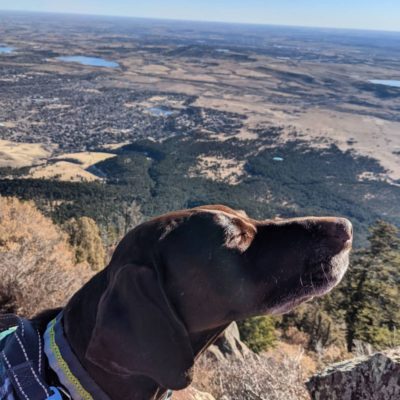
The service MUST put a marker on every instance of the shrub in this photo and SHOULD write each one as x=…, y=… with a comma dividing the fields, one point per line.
x=321, y=329
x=255, y=378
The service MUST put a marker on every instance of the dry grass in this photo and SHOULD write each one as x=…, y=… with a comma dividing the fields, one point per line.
x=115, y=146
x=16, y=155
x=307, y=362
x=62, y=171
x=191, y=394
x=219, y=169
x=262, y=378
x=72, y=171
x=86, y=158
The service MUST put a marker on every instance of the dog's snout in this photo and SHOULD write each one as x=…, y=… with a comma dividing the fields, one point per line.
x=344, y=230
x=338, y=232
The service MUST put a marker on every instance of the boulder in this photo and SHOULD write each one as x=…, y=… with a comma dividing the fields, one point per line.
x=375, y=377
x=229, y=346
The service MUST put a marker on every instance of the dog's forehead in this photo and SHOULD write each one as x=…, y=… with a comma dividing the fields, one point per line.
x=233, y=222
x=222, y=211
x=215, y=210
x=229, y=218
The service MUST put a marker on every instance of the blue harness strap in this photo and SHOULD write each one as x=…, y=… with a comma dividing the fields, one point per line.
x=65, y=364
x=22, y=361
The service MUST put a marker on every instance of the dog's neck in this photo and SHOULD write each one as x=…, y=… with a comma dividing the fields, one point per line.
x=79, y=322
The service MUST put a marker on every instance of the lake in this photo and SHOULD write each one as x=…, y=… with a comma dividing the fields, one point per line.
x=391, y=83
x=92, y=61
x=6, y=50
x=160, y=112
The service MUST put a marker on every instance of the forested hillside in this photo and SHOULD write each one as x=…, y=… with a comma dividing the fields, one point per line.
x=264, y=177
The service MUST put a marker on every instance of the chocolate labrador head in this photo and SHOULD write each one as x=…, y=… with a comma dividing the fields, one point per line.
x=186, y=273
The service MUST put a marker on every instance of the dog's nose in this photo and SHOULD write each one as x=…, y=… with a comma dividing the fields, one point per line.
x=344, y=230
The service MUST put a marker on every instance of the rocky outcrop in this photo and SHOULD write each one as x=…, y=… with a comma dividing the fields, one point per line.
x=375, y=377
x=192, y=394
x=229, y=345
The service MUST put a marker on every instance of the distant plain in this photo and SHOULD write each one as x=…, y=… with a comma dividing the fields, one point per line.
x=203, y=82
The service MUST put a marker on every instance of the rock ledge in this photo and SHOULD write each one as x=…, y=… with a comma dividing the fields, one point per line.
x=376, y=377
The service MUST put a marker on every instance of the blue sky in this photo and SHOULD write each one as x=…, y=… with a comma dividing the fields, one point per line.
x=359, y=14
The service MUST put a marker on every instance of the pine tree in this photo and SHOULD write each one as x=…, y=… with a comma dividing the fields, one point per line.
x=258, y=333
x=372, y=290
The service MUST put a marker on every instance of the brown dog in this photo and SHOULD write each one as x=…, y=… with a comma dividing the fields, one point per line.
x=176, y=282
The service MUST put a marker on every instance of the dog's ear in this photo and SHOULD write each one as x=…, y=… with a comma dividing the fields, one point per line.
x=138, y=333
x=238, y=233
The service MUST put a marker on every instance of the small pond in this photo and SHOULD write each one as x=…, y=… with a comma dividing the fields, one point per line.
x=389, y=82
x=6, y=49
x=92, y=61
x=161, y=112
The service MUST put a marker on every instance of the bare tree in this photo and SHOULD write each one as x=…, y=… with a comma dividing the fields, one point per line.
x=37, y=265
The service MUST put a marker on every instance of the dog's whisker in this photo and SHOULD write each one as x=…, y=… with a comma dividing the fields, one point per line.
x=323, y=270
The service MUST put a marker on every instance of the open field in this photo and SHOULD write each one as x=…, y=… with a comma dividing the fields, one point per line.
x=70, y=167
x=85, y=159
x=38, y=157
x=63, y=171
x=219, y=169
x=17, y=154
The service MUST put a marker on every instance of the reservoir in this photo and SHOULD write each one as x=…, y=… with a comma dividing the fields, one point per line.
x=92, y=61
x=6, y=50
x=391, y=83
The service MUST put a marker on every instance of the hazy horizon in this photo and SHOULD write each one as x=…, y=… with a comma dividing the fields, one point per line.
x=360, y=15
